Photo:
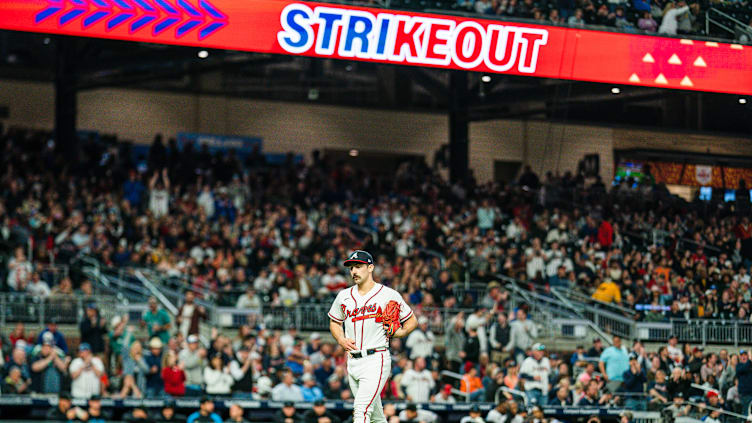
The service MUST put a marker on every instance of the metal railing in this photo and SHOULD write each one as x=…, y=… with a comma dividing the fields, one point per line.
x=698, y=331
x=726, y=22
x=66, y=309
x=582, y=301
x=455, y=391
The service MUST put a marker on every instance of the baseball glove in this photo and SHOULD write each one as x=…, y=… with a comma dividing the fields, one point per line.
x=391, y=318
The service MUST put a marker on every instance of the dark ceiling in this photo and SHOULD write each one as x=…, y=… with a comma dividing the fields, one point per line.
x=108, y=63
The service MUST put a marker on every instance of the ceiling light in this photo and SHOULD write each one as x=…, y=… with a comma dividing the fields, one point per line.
x=354, y=153
x=615, y=90
x=203, y=54
x=486, y=79
x=742, y=100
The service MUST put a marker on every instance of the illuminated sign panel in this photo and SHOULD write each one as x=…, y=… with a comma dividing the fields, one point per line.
x=387, y=36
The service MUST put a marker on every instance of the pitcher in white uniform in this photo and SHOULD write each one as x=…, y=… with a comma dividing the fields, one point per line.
x=357, y=326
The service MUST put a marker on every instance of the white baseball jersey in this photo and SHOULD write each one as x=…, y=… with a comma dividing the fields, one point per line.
x=361, y=314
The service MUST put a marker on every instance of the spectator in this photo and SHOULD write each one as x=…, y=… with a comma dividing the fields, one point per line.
x=153, y=359
x=217, y=377
x=678, y=407
x=670, y=22
x=420, y=342
x=64, y=411
x=658, y=394
x=310, y=391
x=418, y=382
x=744, y=374
x=608, y=292
x=471, y=384
x=242, y=374
x=499, y=337
x=157, y=321
x=634, y=383
x=167, y=414
x=534, y=372
x=59, y=338
x=95, y=411
x=205, y=413
x=286, y=390
x=562, y=398
x=37, y=287
x=287, y=414
x=444, y=396
x=319, y=414
x=193, y=357
x=134, y=372
x=159, y=194
x=49, y=367
x=613, y=363
x=189, y=315
x=85, y=372
x=19, y=334
x=454, y=339
x=93, y=329
x=18, y=358
x=236, y=415
x=647, y=23
x=522, y=334
x=133, y=190
x=675, y=353
x=412, y=414
x=19, y=271
x=474, y=416
x=138, y=414
x=249, y=301
x=15, y=384
x=173, y=375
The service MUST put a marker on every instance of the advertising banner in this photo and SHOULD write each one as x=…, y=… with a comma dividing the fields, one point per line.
x=219, y=143
x=397, y=37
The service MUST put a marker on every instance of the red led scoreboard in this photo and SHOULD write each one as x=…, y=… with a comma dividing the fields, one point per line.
x=406, y=38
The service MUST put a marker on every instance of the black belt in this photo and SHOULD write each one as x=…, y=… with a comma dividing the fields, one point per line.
x=369, y=351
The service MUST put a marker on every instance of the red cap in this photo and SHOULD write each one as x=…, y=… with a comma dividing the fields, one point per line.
x=712, y=394
x=447, y=388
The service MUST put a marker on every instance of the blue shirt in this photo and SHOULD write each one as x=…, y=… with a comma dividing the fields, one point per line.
x=197, y=416
x=616, y=363
x=312, y=394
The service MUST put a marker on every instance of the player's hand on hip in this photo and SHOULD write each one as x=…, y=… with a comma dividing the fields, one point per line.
x=348, y=344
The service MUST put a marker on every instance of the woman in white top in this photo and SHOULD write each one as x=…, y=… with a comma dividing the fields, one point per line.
x=217, y=377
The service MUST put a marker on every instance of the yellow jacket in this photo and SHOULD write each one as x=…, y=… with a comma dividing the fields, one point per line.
x=607, y=292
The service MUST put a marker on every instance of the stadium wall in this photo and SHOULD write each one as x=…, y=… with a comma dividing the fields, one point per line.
x=138, y=115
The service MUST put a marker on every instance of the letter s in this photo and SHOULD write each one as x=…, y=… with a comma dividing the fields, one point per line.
x=297, y=36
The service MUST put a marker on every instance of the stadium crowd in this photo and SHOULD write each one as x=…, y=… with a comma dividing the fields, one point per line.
x=664, y=17
x=247, y=234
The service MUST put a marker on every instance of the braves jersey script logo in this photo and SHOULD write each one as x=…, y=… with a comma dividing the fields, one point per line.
x=371, y=311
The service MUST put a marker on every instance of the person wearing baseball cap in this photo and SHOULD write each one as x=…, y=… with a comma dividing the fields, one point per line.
x=744, y=373
x=319, y=411
x=205, y=413
x=193, y=358
x=85, y=372
x=358, y=256
x=96, y=414
x=535, y=370
x=474, y=416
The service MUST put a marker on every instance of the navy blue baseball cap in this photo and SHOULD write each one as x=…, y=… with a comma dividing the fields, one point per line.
x=359, y=256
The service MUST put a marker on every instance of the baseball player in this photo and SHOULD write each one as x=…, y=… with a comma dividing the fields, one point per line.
x=363, y=319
